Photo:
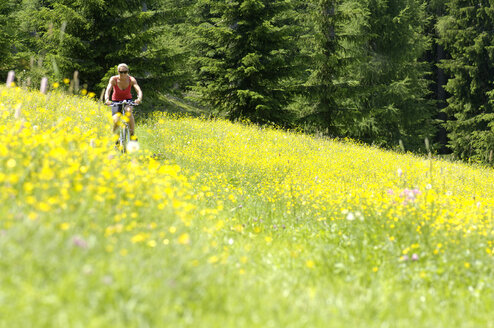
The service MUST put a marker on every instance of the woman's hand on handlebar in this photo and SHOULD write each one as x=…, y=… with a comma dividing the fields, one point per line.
x=108, y=102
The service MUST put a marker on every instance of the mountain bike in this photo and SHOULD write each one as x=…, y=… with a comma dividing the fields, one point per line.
x=124, y=130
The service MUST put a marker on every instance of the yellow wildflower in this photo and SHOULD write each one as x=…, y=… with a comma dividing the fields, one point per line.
x=184, y=239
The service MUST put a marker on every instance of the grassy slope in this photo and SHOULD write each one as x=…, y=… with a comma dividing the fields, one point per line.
x=231, y=224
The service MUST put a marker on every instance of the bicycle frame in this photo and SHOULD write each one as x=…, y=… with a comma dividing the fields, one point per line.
x=124, y=137
x=124, y=133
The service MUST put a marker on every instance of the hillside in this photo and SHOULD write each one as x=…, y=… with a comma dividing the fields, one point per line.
x=218, y=224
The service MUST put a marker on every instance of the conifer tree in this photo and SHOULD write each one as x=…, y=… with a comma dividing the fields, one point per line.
x=466, y=33
x=6, y=36
x=57, y=37
x=243, y=57
x=326, y=59
x=335, y=27
x=392, y=104
x=435, y=10
x=177, y=35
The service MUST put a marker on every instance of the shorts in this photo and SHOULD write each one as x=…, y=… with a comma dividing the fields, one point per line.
x=115, y=108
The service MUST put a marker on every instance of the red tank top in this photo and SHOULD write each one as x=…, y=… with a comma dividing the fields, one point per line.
x=119, y=95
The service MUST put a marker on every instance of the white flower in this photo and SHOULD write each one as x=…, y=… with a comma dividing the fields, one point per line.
x=350, y=216
x=132, y=146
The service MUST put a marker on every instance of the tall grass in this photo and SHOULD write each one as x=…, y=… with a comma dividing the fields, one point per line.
x=217, y=224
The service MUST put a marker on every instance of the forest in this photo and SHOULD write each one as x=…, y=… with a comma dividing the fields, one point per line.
x=411, y=75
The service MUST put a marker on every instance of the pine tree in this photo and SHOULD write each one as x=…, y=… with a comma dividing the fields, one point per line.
x=326, y=58
x=56, y=37
x=466, y=33
x=243, y=60
x=435, y=10
x=177, y=35
x=392, y=104
x=335, y=27
x=6, y=37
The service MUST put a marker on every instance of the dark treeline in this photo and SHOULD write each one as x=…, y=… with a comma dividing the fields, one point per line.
x=386, y=72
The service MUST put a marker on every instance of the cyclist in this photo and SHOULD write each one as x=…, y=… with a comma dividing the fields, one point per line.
x=120, y=85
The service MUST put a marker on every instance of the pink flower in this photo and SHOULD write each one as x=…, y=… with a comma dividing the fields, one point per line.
x=409, y=195
x=79, y=242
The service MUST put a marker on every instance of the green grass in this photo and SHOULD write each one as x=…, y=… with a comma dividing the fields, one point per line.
x=213, y=224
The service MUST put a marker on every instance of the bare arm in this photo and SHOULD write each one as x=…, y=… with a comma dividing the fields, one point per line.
x=107, y=92
x=138, y=90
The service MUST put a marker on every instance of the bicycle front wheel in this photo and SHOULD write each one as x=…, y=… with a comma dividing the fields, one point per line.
x=124, y=139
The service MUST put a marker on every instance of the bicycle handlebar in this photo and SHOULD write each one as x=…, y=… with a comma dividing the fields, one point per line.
x=124, y=102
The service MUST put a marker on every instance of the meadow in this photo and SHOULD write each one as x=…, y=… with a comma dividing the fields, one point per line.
x=215, y=224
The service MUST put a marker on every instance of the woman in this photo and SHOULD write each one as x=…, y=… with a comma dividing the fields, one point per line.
x=121, y=86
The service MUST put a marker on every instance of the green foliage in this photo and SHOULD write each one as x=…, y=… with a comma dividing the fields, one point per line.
x=436, y=9
x=338, y=27
x=55, y=38
x=391, y=104
x=466, y=32
x=176, y=36
x=363, y=69
x=243, y=57
x=367, y=80
x=6, y=36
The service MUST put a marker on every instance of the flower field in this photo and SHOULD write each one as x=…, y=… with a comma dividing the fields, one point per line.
x=214, y=224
